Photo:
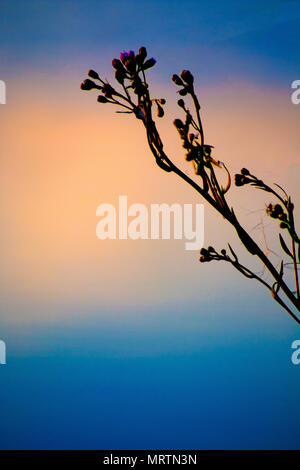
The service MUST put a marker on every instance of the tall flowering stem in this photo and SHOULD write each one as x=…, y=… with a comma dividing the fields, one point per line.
x=133, y=97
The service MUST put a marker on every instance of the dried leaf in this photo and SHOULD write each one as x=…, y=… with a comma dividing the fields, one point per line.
x=284, y=247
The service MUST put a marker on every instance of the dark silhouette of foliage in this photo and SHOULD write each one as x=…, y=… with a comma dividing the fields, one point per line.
x=135, y=99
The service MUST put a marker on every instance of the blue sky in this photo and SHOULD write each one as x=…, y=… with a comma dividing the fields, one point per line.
x=252, y=38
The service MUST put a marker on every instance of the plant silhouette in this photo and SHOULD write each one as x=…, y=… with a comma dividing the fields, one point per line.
x=130, y=73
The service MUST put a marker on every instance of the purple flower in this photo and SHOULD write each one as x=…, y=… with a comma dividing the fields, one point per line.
x=124, y=56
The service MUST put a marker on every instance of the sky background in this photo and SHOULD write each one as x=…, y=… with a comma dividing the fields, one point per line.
x=122, y=344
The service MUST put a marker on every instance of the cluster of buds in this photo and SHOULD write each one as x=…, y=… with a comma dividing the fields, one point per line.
x=131, y=68
x=130, y=65
x=189, y=140
x=197, y=152
x=185, y=80
x=208, y=254
x=107, y=90
x=241, y=179
x=276, y=212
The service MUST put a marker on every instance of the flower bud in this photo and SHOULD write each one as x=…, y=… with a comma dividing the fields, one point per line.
x=93, y=74
x=130, y=65
x=143, y=53
x=190, y=155
x=240, y=180
x=149, y=63
x=102, y=99
x=126, y=55
x=178, y=123
x=183, y=92
x=188, y=119
x=278, y=209
x=180, y=103
x=223, y=252
x=108, y=90
x=120, y=76
x=191, y=137
x=141, y=56
x=177, y=80
x=89, y=85
x=117, y=64
x=245, y=172
x=205, y=255
x=207, y=150
x=160, y=111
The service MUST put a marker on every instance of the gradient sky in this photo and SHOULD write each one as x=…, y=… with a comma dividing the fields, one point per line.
x=134, y=344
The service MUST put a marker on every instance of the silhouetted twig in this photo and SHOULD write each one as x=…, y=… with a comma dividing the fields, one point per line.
x=135, y=99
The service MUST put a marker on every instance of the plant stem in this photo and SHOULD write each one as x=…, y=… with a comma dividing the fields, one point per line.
x=295, y=268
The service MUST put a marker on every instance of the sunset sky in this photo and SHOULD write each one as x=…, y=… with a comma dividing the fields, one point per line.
x=122, y=344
